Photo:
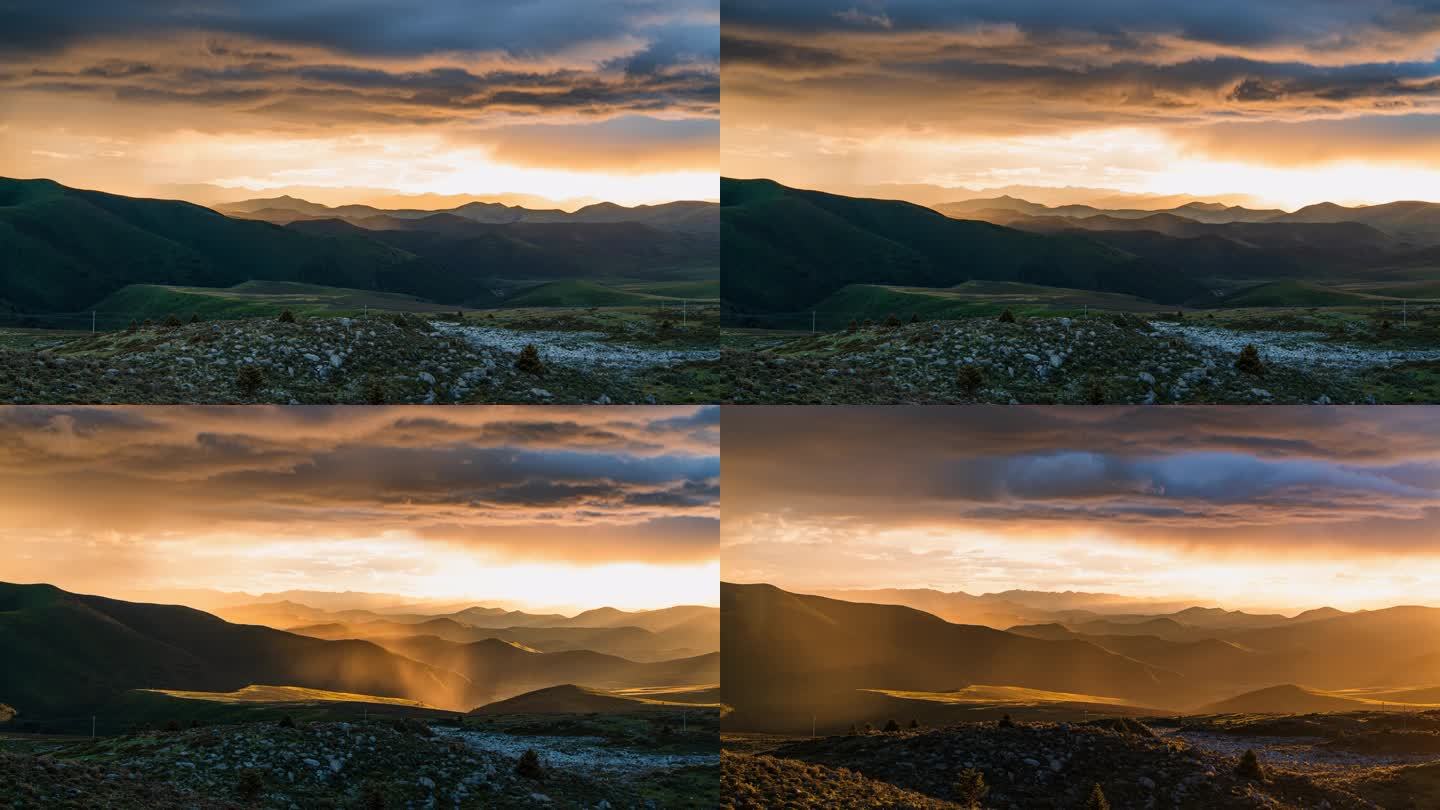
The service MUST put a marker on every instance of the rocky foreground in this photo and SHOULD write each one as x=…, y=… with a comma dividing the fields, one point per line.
x=1092, y=360
x=369, y=360
x=373, y=765
x=1042, y=765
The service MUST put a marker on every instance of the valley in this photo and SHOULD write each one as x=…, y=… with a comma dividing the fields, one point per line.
x=840, y=300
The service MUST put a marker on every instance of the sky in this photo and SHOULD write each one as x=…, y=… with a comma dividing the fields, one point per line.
x=565, y=99
x=1285, y=508
x=542, y=506
x=1289, y=101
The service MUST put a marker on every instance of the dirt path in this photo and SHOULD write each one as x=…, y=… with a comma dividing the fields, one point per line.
x=1302, y=349
x=584, y=350
x=584, y=754
x=1307, y=753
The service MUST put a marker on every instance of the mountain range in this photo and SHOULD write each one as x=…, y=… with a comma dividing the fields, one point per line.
x=64, y=249
x=786, y=250
x=67, y=654
x=789, y=656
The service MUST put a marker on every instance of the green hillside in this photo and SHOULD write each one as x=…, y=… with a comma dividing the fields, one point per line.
x=251, y=299
x=1293, y=294
x=786, y=249
x=577, y=294
x=63, y=249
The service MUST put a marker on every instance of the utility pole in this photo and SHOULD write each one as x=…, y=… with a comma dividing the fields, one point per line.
x=92, y=325
x=812, y=321
x=92, y=726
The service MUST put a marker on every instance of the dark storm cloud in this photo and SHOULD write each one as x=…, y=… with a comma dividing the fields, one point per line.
x=869, y=67
x=1213, y=475
x=452, y=68
x=371, y=27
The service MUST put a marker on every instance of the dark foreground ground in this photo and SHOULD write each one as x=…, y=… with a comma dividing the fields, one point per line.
x=650, y=760
x=1355, y=760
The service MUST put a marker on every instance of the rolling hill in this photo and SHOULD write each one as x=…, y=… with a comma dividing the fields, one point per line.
x=1284, y=699
x=62, y=249
x=571, y=699
x=499, y=669
x=788, y=656
x=786, y=249
x=66, y=651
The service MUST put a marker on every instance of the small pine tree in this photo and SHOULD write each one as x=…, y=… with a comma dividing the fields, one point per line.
x=914, y=723
x=194, y=317
x=970, y=788
x=133, y=326
x=970, y=378
x=1095, y=391
x=892, y=726
x=914, y=317
x=172, y=322
x=249, y=378
x=1007, y=316
x=374, y=390
x=853, y=730
x=869, y=728
x=287, y=317
x=529, y=765
x=1249, y=361
x=287, y=722
x=1097, y=800
x=852, y=326
x=1006, y=722
x=1385, y=326
x=372, y=796
x=529, y=361
x=1249, y=766
x=250, y=784
x=892, y=322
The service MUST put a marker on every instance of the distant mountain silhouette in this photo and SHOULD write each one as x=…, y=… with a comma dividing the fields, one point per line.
x=685, y=215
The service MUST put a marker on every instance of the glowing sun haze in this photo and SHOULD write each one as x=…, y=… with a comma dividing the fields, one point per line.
x=355, y=102
x=1284, y=508
x=544, y=506
x=1289, y=102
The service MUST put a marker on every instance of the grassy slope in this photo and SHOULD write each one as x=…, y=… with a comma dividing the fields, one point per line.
x=65, y=248
x=786, y=249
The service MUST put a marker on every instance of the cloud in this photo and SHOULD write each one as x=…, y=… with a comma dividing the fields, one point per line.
x=160, y=72
x=1211, y=477
x=584, y=484
x=822, y=93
